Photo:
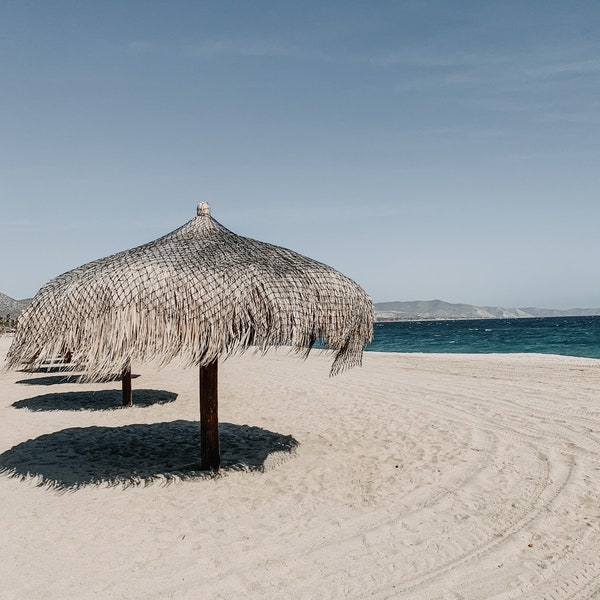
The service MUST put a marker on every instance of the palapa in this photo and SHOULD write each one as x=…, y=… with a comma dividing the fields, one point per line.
x=196, y=294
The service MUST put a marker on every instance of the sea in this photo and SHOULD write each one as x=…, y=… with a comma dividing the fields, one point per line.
x=569, y=336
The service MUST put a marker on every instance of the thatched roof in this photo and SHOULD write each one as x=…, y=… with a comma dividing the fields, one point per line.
x=196, y=294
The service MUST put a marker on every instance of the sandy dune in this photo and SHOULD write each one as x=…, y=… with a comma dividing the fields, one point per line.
x=417, y=476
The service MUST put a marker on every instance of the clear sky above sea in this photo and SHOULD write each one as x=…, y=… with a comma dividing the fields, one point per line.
x=427, y=149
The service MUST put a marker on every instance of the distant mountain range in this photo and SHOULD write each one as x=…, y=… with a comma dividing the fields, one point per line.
x=11, y=307
x=424, y=310
x=418, y=310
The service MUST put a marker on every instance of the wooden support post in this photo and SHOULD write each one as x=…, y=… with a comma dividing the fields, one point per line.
x=210, y=457
x=126, y=385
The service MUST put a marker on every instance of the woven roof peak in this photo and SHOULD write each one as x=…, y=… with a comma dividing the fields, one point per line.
x=203, y=209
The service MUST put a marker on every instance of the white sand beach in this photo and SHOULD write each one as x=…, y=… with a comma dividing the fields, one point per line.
x=415, y=476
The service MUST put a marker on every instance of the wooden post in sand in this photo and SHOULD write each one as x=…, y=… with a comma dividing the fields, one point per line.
x=210, y=457
x=126, y=386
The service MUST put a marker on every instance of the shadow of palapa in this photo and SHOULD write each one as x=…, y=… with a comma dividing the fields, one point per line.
x=139, y=454
x=58, y=379
x=94, y=400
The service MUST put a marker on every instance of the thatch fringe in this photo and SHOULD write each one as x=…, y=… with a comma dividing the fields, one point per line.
x=198, y=293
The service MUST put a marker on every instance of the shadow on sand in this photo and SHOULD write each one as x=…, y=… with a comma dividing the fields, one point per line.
x=58, y=379
x=139, y=454
x=94, y=400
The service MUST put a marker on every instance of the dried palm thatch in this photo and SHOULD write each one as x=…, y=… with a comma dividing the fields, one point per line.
x=196, y=294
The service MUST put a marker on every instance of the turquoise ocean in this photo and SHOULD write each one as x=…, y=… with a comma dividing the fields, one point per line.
x=569, y=336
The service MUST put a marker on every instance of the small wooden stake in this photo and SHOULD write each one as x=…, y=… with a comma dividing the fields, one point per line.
x=126, y=385
x=210, y=457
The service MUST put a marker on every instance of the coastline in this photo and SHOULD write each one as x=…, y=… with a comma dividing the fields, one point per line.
x=417, y=476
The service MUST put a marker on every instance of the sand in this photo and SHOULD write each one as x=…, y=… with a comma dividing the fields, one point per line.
x=416, y=476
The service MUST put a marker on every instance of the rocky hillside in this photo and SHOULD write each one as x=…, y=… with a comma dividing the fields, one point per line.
x=11, y=307
x=438, y=309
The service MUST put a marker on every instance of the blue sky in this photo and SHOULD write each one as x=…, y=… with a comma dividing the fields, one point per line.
x=426, y=149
